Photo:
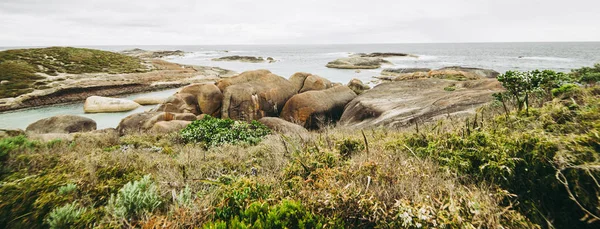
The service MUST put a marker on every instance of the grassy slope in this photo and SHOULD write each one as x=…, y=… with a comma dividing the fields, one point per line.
x=19, y=66
x=502, y=170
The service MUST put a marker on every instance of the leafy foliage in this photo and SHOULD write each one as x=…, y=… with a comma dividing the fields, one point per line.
x=135, y=200
x=587, y=75
x=212, y=131
x=67, y=216
x=521, y=85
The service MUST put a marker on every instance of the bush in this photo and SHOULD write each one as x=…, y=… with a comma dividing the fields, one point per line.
x=135, y=200
x=349, y=147
x=213, y=132
x=566, y=90
x=69, y=188
x=67, y=216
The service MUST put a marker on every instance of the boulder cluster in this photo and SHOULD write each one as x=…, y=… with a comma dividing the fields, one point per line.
x=304, y=100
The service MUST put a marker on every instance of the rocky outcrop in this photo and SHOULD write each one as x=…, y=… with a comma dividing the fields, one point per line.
x=357, y=63
x=143, y=122
x=98, y=104
x=254, y=94
x=179, y=103
x=282, y=126
x=383, y=54
x=452, y=73
x=140, y=53
x=165, y=127
x=149, y=100
x=248, y=59
x=5, y=133
x=358, y=86
x=401, y=103
x=62, y=124
x=316, y=109
x=208, y=97
x=308, y=82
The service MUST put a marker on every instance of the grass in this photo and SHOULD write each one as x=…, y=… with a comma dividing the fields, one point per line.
x=498, y=169
x=18, y=67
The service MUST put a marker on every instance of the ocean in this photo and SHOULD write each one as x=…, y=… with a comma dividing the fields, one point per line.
x=501, y=57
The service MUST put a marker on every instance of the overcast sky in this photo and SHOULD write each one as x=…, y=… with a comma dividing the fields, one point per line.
x=179, y=22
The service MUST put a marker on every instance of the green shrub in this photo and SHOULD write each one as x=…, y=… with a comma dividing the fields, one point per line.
x=213, y=132
x=286, y=214
x=349, y=147
x=67, y=189
x=566, y=90
x=235, y=198
x=451, y=88
x=67, y=216
x=135, y=200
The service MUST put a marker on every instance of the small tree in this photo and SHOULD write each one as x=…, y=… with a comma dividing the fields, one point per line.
x=520, y=85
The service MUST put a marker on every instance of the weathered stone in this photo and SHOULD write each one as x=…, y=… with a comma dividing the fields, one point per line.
x=165, y=127
x=208, y=96
x=98, y=104
x=249, y=59
x=308, y=82
x=358, y=86
x=316, y=109
x=143, y=122
x=180, y=103
x=282, y=126
x=149, y=100
x=253, y=95
x=357, y=63
x=5, y=133
x=401, y=103
x=62, y=124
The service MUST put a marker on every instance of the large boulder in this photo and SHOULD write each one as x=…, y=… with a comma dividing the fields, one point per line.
x=401, y=103
x=179, y=103
x=452, y=73
x=62, y=124
x=165, y=127
x=208, y=97
x=315, y=109
x=149, y=100
x=282, y=126
x=357, y=63
x=255, y=94
x=98, y=104
x=308, y=82
x=143, y=122
x=358, y=86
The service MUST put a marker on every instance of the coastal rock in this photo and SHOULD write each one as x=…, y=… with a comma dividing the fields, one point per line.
x=140, y=53
x=271, y=60
x=179, y=103
x=248, y=59
x=357, y=63
x=400, y=71
x=282, y=126
x=165, y=127
x=401, y=103
x=143, y=122
x=5, y=133
x=62, y=124
x=254, y=94
x=149, y=100
x=358, y=86
x=316, y=109
x=309, y=82
x=478, y=72
x=208, y=96
x=383, y=54
x=98, y=104
x=50, y=137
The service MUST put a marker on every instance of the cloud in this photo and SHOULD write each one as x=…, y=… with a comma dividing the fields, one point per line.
x=147, y=22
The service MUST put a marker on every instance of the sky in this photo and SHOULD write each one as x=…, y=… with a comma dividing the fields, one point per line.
x=187, y=22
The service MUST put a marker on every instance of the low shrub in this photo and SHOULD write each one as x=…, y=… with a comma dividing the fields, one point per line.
x=349, y=147
x=67, y=216
x=213, y=132
x=135, y=200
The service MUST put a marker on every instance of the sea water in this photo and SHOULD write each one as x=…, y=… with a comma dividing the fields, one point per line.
x=290, y=59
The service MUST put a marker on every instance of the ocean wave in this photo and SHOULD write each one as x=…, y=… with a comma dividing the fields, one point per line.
x=339, y=54
x=547, y=58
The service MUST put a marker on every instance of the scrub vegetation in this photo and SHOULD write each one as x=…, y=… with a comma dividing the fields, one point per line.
x=528, y=160
x=20, y=68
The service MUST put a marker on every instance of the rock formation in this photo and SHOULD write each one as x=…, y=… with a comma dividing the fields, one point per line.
x=316, y=109
x=98, y=104
x=63, y=124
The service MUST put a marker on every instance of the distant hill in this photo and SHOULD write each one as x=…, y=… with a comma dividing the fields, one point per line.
x=20, y=68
